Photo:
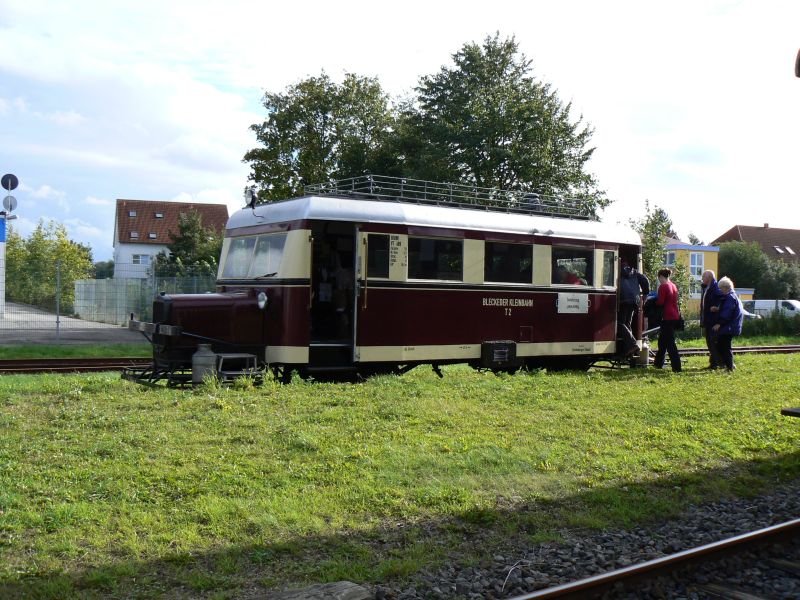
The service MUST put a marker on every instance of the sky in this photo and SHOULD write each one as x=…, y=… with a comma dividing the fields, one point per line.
x=694, y=104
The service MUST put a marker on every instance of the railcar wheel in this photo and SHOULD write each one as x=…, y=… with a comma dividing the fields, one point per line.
x=282, y=374
x=568, y=363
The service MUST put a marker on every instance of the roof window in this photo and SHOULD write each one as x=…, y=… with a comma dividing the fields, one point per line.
x=159, y=215
x=131, y=213
x=778, y=249
x=135, y=235
x=789, y=250
x=151, y=235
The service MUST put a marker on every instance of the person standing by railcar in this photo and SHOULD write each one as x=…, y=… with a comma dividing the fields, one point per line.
x=668, y=301
x=632, y=285
x=709, y=299
x=729, y=321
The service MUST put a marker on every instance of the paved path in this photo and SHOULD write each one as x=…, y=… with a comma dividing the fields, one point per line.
x=23, y=324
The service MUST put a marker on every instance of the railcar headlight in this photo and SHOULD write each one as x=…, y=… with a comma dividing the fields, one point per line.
x=262, y=300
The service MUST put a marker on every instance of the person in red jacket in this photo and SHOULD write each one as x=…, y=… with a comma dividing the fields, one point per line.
x=668, y=301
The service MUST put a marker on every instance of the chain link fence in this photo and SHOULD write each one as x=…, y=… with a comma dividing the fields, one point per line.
x=91, y=309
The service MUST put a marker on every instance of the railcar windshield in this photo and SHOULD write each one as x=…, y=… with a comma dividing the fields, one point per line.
x=254, y=256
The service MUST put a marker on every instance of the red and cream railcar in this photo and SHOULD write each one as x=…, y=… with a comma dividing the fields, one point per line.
x=337, y=282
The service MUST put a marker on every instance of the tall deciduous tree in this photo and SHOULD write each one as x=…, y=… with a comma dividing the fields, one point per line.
x=487, y=121
x=35, y=265
x=484, y=121
x=318, y=131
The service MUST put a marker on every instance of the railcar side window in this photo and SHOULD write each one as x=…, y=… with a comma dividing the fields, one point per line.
x=268, y=255
x=572, y=266
x=608, y=268
x=508, y=263
x=377, y=255
x=239, y=257
x=435, y=259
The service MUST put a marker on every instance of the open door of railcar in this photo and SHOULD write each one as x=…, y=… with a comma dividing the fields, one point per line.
x=333, y=296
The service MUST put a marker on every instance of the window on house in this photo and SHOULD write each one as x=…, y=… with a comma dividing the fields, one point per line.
x=669, y=259
x=151, y=235
x=789, y=250
x=159, y=215
x=572, y=266
x=141, y=259
x=778, y=249
x=377, y=255
x=510, y=263
x=435, y=259
x=134, y=235
x=696, y=262
x=131, y=213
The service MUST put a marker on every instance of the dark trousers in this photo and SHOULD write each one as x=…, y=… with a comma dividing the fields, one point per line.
x=666, y=345
x=625, y=326
x=724, y=350
x=714, y=360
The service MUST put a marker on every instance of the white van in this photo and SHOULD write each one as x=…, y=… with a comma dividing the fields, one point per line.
x=765, y=308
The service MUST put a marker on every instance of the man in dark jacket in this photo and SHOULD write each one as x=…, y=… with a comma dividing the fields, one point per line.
x=632, y=285
x=710, y=297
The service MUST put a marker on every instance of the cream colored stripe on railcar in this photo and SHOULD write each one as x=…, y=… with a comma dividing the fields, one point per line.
x=287, y=354
x=473, y=351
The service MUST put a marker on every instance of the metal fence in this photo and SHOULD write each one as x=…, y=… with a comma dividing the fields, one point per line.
x=87, y=310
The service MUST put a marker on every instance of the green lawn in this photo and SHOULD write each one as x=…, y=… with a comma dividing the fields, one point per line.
x=77, y=351
x=109, y=489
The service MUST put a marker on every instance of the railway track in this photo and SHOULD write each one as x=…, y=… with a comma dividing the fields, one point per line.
x=69, y=365
x=88, y=365
x=708, y=571
x=788, y=349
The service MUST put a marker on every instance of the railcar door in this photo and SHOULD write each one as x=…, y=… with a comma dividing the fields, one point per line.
x=332, y=306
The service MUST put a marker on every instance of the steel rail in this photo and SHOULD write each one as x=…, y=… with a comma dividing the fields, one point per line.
x=787, y=349
x=595, y=585
x=69, y=365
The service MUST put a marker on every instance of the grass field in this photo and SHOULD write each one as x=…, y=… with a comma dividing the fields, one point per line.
x=108, y=489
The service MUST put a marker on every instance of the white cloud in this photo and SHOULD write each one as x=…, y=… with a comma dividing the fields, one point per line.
x=92, y=201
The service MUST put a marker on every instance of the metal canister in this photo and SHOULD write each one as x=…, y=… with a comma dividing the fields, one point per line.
x=204, y=363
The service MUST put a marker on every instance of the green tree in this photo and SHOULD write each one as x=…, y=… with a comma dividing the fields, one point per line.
x=779, y=280
x=485, y=121
x=694, y=240
x=744, y=262
x=194, y=249
x=319, y=131
x=653, y=228
x=682, y=278
x=35, y=265
x=104, y=269
x=488, y=122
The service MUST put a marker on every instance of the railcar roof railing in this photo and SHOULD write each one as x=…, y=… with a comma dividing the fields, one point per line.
x=398, y=189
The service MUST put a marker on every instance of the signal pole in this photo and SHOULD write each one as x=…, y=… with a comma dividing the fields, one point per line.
x=9, y=183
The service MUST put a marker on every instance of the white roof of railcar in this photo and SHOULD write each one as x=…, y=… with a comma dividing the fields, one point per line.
x=331, y=208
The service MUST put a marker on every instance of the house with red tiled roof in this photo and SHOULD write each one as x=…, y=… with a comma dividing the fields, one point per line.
x=142, y=229
x=775, y=242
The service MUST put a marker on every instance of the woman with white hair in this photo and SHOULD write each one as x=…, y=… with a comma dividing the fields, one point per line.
x=729, y=321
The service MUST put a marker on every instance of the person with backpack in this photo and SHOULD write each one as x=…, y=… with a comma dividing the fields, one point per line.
x=632, y=286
